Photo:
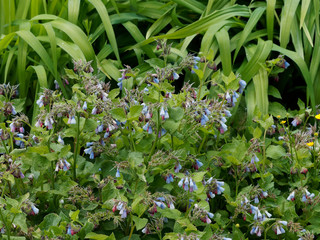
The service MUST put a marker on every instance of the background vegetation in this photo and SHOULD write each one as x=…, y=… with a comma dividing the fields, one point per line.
x=272, y=45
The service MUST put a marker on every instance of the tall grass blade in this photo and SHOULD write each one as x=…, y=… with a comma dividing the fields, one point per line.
x=22, y=9
x=296, y=37
x=8, y=62
x=304, y=9
x=194, y=5
x=70, y=48
x=270, y=17
x=41, y=83
x=35, y=44
x=261, y=82
x=73, y=10
x=203, y=24
x=160, y=23
x=138, y=37
x=254, y=18
x=260, y=55
x=102, y=11
x=225, y=53
x=287, y=15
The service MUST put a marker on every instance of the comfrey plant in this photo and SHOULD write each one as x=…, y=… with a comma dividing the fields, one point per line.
x=150, y=160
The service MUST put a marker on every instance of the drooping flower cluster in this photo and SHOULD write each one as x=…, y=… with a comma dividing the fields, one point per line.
x=214, y=187
x=122, y=208
x=188, y=184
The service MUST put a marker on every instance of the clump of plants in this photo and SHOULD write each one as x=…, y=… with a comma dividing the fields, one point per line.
x=146, y=161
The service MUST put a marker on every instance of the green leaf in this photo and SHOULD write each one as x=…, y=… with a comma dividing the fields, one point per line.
x=49, y=220
x=114, y=93
x=198, y=176
x=74, y=215
x=96, y=236
x=257, y=133
x=176, y=113
x=170, y=213
x=275, y=152
x=171, y=126
x=135, y=112
x=119, y=114
x=140, y=222
x=274, y=92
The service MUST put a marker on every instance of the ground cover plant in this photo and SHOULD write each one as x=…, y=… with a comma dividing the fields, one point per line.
x=145, y=160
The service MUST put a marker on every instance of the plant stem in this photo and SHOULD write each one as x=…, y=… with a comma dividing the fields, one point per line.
x=203, y=141
x=5, y=146
x=52, y=167
x=264, y=150
x=8, y=229
x=77, y=148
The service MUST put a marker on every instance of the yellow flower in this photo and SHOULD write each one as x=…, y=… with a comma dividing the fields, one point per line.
x=283, y=122
x=310, y=144
x=317, y=116
x=278, y=116
x=237, y=225
x=316, y=134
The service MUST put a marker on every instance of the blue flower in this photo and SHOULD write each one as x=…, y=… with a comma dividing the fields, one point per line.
x=60, y=140
x=85, y=106
x=175, y=76
x=242, y=84
x=227, y=113
x=73, y=120
x=155, y=80
x=117, y=173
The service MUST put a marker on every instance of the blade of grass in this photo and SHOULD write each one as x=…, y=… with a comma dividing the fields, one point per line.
x=102, y=11
x=5, y=41
x=209, y=36
x=109, y=68
x=8, y=63
x=41, y=83
x=296, y=37
x=304, y=9
x=22, y=10
x=260, y=55
x=53, y=45
x=73, y=10
x=202, y=24
x=70, y=48
x=160, y=23
x=104, y=52
x=261, y=82
x=137, y=35
x=35, y=44
x=224, y=48
x=254, y=18
x=270, y=17
x=287, y=15
x=316, y=7
x=194, y=5
x=315, y=62
x=115, y=19
x=250, y=98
